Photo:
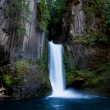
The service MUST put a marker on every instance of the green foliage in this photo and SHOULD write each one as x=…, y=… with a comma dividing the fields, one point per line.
x=101, y=9
x=93, y=6
x=58, y=10
x=44, y=14
x=104, y=38
x=19, y=12
x=106, y=12
x=22, y=67
x=104, y=69
x=86, y=40
x=97, y=78
x=92, y=78
x=10, y=80
x=69, y=67
x=92, y=39
x=67, y=62
x=43, y=63
x=50, y=11
x=7, y=80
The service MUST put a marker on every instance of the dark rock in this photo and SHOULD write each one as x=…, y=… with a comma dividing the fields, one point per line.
x=77, y=84
x=26, y=79
x=5, y=30
x=1, y=8
x=76, y=2
x=4, y=57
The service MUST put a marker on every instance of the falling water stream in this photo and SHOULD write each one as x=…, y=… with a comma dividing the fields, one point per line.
x=57, y=74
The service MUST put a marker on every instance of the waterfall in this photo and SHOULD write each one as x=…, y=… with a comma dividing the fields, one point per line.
x=57, y=74
x=56, y=68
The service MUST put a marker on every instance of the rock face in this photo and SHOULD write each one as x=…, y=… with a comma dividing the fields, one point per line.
x=78, y=25
x=30, y=46
x=33, y=44
x=4, y=57
x=89, y=57
x=74, y=20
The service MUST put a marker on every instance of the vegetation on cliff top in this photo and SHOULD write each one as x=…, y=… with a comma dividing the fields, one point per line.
x=50, y=11
x=98, y=9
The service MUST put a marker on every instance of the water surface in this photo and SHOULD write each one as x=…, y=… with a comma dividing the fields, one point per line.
x=56, y=104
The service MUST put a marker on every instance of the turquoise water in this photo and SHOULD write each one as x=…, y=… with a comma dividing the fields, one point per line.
x=56, y=104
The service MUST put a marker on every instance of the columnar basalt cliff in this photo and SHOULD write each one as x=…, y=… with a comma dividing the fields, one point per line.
x=20, y=52
x=77, y=28
x=29, y=46
x=74, y=20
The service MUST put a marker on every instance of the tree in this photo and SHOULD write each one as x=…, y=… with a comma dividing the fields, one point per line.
x=50, y=11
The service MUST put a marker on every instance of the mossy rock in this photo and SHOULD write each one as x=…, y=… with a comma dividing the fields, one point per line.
x=97, y=80
x=26, y=79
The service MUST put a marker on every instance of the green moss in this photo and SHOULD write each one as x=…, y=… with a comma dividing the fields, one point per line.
x=22, y=66
x=7, y=80
x=98, y=79
x=92, y=38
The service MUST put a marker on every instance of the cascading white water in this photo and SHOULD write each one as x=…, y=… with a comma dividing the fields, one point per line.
x=56, y=68
x=57, y=74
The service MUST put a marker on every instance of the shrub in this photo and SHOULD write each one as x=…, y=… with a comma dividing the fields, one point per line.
x=44, y=14
x=106, y=12
x=7, y=80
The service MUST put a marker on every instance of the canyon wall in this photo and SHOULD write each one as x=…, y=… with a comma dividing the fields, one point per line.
x=19, y=47
x=86, y=53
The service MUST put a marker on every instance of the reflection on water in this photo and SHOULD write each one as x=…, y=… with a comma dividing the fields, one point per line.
x=56, y=104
